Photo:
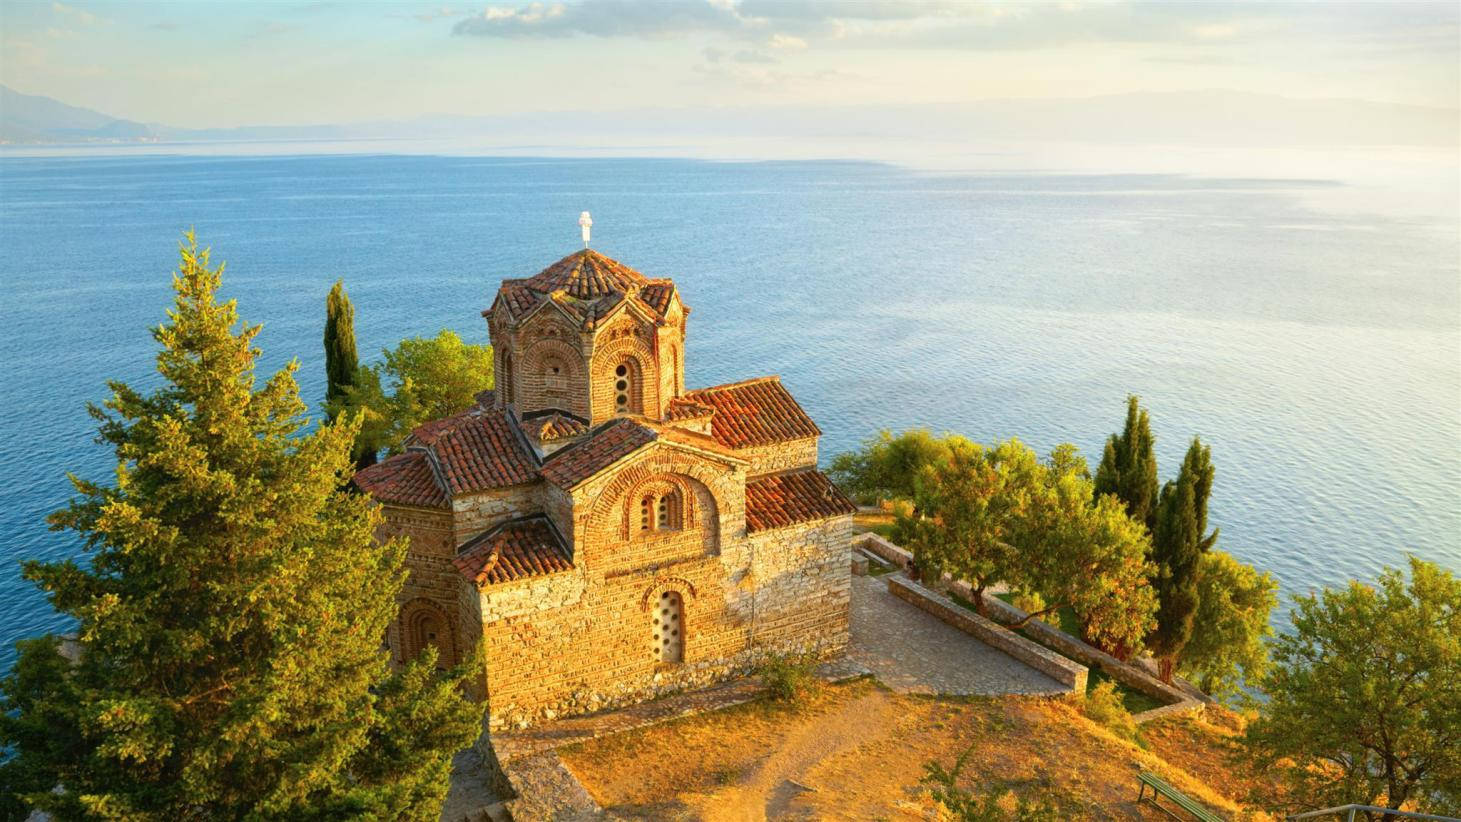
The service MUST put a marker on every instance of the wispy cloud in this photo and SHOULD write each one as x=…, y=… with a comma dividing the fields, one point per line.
x=75, y=16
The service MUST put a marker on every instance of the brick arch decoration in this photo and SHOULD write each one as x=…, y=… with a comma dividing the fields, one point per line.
x=540, y=355
x=694, y=476
x=686, y=518
x=417, y=619
x=629, y=349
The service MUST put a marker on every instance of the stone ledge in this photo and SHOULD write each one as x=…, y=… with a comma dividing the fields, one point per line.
x=1179, y=699
x=1044, y=660
x=515, y=745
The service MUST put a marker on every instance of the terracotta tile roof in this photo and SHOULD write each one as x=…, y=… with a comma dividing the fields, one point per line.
x=586, y=274
x=778, y=500
x=587, y=286
x=606, y=444
x=754, y=412
x=470, y=451
x=554, y=427
x=518, y=549
x=405, y=479
x=681, y=408
x=476, y=449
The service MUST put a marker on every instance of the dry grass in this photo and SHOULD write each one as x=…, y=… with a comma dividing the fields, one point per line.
x=861, y=750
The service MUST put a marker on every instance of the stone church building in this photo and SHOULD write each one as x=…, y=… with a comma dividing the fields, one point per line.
x=606, y=534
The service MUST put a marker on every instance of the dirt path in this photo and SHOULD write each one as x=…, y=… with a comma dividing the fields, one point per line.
x=768, y=789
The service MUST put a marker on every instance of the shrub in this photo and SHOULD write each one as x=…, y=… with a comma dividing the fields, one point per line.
x=989, y=806
x=1105, y=706
x=788, y=677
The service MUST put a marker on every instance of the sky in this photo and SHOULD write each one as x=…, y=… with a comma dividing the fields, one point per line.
x=219, y=64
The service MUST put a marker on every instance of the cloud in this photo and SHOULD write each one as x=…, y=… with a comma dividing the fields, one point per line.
x=965, y=25
x=437, y=14
x=603, y=18
x=753, y=56
x=74, y=15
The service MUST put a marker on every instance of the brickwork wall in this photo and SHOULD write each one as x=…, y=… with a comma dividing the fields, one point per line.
x=475, y=513
x=802, y=587
x=783, y=456
x=579, y=641
x=622, y=340
x=430, y=574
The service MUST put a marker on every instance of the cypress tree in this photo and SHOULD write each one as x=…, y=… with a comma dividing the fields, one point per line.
x=1128, y=468
x=342, y=366
x=229, y=661
x=341, y=360
x=1178, y=544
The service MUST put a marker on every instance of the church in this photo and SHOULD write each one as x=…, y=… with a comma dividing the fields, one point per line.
x=605, y=534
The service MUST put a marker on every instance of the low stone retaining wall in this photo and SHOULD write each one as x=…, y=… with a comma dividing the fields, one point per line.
x=1047, y=637
x=1044, y=660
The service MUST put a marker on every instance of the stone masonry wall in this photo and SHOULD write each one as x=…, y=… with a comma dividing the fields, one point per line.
x=802, y=586
x=783, y=456
x=580, y=641
x=428, y=562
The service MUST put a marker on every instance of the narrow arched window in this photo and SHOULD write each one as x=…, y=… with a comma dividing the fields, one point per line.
x=668, y=628
x=668, y=512
x=506, y=386
x=646, y=508
x=623, y=388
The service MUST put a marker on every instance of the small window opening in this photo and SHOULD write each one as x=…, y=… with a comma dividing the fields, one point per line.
x=644, y=508
x=667, y=628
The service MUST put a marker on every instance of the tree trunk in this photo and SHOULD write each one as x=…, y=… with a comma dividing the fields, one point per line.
x=1166, y=668
x=979, y=606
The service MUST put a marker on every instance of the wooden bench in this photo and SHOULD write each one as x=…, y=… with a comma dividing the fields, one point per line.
x=1161, y=788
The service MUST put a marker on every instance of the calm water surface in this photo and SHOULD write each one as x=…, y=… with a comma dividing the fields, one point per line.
x=1317, y=349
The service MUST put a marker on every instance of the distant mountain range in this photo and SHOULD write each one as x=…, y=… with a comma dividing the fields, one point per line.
x=1169, y=118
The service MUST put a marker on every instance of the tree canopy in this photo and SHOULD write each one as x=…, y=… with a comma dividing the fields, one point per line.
x=1003, y=514
x=1178, y=543
x=228, y=660
x=1128, y=468
x=421, y=379
x=1363, y=700
x=887, y=465
x=1226, y=648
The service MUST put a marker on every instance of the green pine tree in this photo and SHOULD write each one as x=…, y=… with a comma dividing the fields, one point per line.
x=342, y=365
x=341, y=359
x=228, y=658
x=1128, y=468
x=1178, y=544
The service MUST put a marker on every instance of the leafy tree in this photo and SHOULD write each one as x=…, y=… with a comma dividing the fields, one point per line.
x=886, y=466
x=1364, y=696
x=1002, y=514
x=1128, y=468
x=429, y=378
x=966, y=502
x=230, y=619
x=1227, y=646
x=1178, y=544
x=1086, y=554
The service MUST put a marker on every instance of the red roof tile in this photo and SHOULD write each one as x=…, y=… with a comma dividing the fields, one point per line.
x=405, y=479
x=518, y=549
x=476, y=449
x=555, y=427
x=681, y=408
x=754, y=412
x=587, y=286
x=778, y=500
x=607, y=444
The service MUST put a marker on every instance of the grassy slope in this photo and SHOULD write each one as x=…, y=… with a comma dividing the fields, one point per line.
x=687, y=768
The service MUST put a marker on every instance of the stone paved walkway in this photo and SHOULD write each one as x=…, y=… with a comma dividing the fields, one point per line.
x=911, y=651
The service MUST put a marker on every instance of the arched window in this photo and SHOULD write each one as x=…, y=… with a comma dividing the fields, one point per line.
x=624, y=388
x=506, y=381
x=424, y=624
x=668, y=512
x=668, y=628
x=646, y=517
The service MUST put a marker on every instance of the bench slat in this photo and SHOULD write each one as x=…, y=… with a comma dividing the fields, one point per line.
x=1160, y=786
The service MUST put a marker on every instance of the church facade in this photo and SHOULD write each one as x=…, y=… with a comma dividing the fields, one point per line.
x=605, y=534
